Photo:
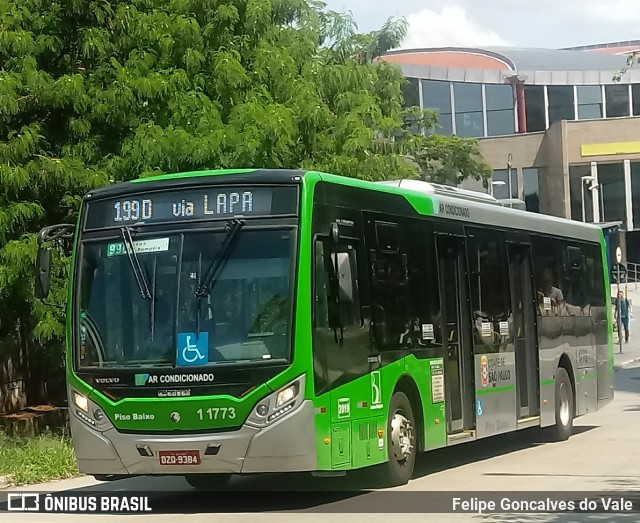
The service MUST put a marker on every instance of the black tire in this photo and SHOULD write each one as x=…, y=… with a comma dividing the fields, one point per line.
x=399, y=467
x=565, y=407
x=110, y=477
x=208, y=481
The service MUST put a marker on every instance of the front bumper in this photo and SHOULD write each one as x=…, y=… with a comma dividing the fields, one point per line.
x=286, y=446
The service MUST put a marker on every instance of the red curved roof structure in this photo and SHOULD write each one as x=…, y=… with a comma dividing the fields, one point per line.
x=457, y=59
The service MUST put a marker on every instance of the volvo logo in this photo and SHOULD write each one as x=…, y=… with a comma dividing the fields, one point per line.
x=175, y=416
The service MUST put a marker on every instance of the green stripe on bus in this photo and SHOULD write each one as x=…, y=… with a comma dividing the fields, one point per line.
x=547, y=382
x=588, y=375
x=191, y=174
x=495, y=389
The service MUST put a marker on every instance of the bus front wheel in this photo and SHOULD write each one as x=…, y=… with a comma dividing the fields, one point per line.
x=565, y=408
x=401, y=442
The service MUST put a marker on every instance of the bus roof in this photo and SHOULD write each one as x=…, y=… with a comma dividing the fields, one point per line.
x=426, y=198
x=205, y=177
x=474, y=207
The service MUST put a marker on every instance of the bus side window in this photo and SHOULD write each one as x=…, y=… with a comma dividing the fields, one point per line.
x=321, y=310
x=337, y=301
x=547, y=260
x=490, y=289
x=596, y=281
x=341, y=334
x=575, y=282
x=392, y=325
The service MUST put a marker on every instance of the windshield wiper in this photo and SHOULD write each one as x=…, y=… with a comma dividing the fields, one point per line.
x=136, y=267
x=139, y=274
x=206, y=285
x=209, y=280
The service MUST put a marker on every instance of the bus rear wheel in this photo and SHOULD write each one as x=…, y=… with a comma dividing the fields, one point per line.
x=208, y=481
x=565, y=408
x=401, y=442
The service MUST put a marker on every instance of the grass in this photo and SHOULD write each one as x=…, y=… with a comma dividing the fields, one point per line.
x=29, y=460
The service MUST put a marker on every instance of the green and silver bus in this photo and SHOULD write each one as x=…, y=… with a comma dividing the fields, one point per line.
x=248, y=321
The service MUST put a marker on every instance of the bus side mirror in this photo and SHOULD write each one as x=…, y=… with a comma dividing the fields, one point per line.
x=43, y=272
x=334, y=233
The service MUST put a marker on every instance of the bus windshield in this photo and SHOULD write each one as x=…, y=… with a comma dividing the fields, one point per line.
x=246, y=316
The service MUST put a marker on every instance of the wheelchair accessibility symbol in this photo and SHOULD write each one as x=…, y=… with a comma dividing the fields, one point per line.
x=192, y=349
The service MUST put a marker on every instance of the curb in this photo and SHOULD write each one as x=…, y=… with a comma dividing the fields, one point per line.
x=625, y=364
x=47, y=486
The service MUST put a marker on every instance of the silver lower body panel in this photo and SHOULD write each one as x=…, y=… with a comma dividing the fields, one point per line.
x=286, y=446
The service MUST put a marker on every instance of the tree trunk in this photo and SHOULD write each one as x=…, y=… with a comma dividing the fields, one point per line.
x=31, y=388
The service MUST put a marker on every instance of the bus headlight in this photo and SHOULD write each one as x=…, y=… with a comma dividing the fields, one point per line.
x=286, y=395
x=82, y=402
x=278, y=404
x=88, y=412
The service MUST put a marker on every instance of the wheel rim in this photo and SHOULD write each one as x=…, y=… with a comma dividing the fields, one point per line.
x=401, y=437
x=565, y=414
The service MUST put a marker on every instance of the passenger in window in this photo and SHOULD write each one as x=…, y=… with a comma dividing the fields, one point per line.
x=549, y=290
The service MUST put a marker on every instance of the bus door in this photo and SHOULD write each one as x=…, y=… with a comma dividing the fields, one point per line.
x=524, y=323
x=454, y=305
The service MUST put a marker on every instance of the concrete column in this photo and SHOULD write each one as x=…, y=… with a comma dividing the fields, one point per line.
x=595, y=195
x=628, y=195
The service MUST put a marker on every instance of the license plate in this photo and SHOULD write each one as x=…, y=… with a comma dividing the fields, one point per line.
x=179, y=457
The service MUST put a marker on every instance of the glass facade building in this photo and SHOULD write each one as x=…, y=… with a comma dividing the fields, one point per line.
x=469, y=110
x=605, y=192
x=557, y=129
x=476, y=110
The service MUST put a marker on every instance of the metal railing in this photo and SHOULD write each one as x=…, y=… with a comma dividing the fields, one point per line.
x=633, y=273
x=629, y=273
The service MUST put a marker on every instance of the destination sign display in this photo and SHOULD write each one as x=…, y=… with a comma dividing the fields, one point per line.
x=194, y=204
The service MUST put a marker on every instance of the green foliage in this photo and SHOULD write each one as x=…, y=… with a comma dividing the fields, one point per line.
x=96, y=92
x=26, y=461
x=449, y=159
x=632, y=59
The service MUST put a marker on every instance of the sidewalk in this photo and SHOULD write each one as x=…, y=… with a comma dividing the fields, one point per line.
x=61, y=484
x=630, y=351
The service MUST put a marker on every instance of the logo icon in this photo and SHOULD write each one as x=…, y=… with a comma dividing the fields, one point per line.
x=193, y=349
x=174, y=393
x=376, y=390
x=175, y=417
x=107, y=380
x=484, y=371
x=344, y=407
x=479, y=410
x=23, y=502
x=141, y=379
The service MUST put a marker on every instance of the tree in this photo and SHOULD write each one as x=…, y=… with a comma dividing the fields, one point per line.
x=449, y=160
x=95, y=92
x=632, y=59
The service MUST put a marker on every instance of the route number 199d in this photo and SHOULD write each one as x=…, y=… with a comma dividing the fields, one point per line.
x=132, y=210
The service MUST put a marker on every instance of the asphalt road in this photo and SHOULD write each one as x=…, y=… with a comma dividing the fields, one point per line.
x=602, y=455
